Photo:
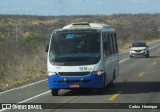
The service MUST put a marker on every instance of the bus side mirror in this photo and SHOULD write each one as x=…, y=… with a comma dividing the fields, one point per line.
x=47, y=47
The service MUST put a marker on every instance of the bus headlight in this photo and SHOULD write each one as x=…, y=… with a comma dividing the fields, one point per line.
x=52, y=73
x=99, y=72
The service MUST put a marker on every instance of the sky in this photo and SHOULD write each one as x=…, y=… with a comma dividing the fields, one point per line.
x=78, y=7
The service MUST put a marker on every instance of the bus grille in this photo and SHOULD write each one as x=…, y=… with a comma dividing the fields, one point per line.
x=73, y=73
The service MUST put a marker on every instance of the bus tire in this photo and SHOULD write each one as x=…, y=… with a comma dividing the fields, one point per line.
x=54, y=92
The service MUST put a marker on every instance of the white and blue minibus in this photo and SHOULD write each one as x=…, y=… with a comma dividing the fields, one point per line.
x=82, y=55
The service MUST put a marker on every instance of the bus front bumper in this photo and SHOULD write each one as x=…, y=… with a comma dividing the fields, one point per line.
x=88, y=81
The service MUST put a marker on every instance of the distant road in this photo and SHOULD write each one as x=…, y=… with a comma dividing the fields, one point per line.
x=138, y=82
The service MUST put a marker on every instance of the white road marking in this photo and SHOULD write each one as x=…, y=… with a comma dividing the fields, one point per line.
x=154, y=46
x=34, y=97
x=23, y=86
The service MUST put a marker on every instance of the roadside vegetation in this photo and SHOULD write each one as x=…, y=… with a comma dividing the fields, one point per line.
x=23, y=40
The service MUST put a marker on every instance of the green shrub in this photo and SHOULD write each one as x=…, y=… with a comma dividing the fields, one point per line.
x=33, y=37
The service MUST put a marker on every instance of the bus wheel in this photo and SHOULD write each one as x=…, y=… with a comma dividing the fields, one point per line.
x=54, y=92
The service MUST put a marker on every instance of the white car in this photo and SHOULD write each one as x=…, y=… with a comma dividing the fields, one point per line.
x=139, y=49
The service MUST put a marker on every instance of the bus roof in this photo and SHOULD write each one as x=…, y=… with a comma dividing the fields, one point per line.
x=85, y=25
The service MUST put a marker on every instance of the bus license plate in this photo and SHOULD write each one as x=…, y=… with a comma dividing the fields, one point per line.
x=74, y=86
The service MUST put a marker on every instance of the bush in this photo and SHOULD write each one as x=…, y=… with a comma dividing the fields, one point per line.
x=33, y=38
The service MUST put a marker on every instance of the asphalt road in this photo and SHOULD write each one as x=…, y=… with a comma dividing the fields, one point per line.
x=138, y=82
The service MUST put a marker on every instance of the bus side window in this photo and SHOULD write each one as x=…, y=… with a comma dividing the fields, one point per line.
x=109, y=44
x=116, y=46
x=113, y=44
x=104, y=44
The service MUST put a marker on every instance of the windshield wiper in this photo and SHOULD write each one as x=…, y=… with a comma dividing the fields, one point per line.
x=78, y=59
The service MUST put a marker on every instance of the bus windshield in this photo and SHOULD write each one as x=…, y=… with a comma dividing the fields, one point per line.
x=75, y=48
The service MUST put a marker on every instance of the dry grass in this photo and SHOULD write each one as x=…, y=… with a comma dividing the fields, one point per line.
x=23, y=68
